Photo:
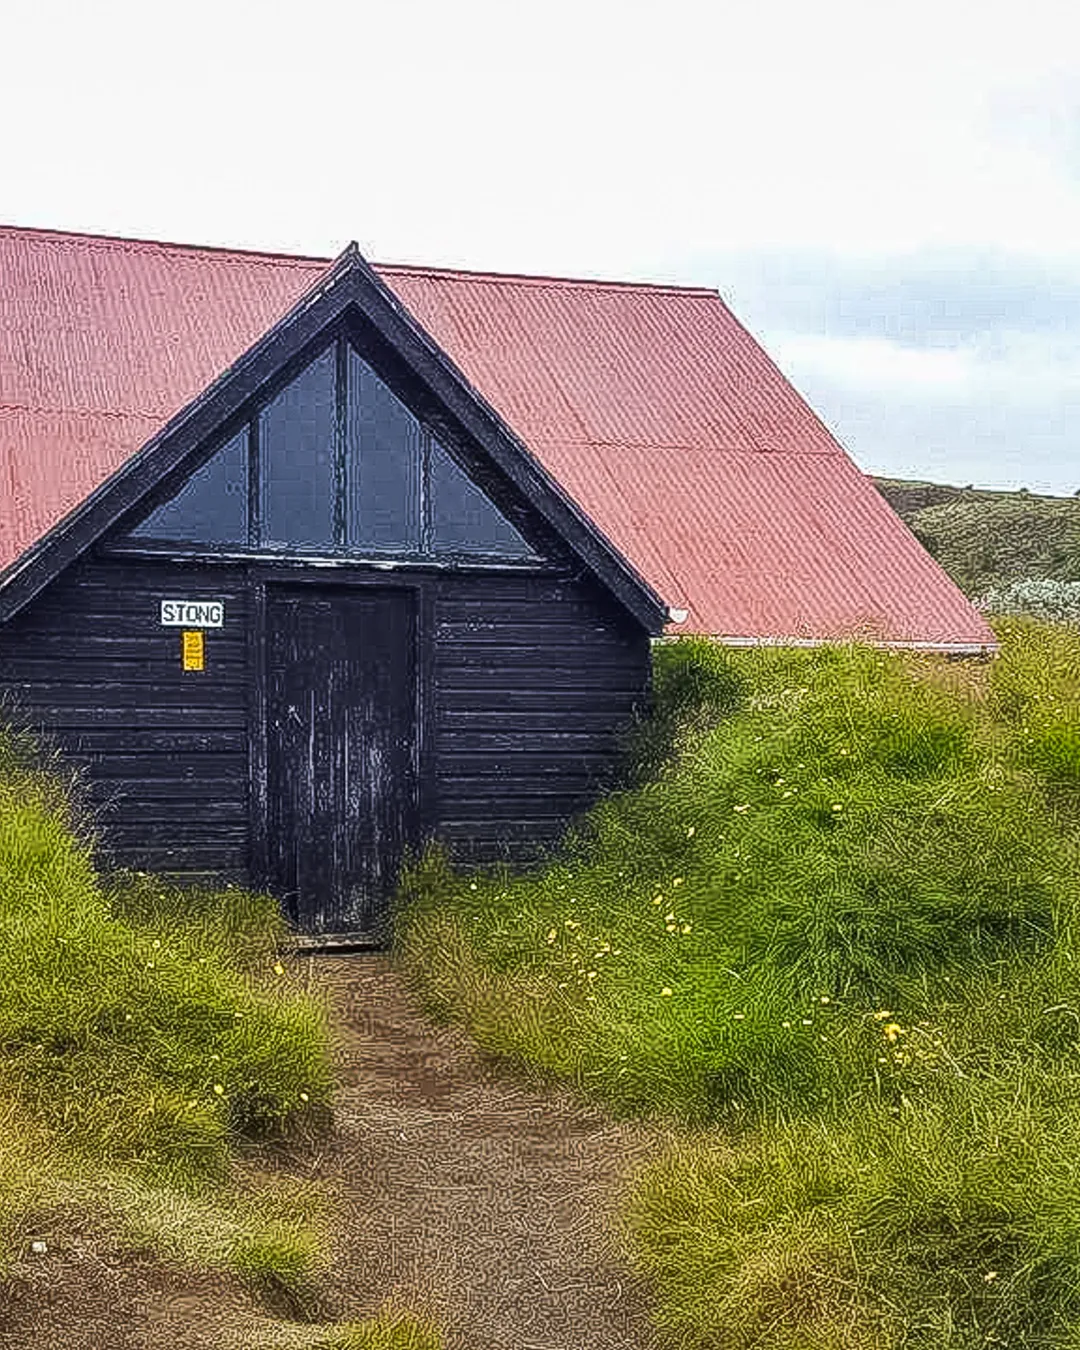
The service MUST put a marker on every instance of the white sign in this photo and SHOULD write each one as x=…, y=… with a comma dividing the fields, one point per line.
x=193, y=613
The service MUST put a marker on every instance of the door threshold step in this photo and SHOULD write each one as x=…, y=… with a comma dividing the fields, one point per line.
x=336, y=942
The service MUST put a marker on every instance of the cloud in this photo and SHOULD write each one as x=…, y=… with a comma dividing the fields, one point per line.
x=940, y=297
x=988, y=443
x=889, y=196
x=950, y=363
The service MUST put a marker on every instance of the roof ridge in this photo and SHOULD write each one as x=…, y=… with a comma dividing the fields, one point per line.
x=541, y=279
x=86, y=241
x=115, y=243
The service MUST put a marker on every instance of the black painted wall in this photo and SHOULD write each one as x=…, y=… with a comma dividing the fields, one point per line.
x=524, y=680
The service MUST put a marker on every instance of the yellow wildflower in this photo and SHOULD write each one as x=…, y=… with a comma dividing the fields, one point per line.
x=279, y=969
x=665, y=992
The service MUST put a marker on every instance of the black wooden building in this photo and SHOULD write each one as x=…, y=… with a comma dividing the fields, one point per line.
x=331, y=610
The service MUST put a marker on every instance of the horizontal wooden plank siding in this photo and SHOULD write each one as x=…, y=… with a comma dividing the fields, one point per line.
x=532, y=680
x=526, y=679
x=164, y=750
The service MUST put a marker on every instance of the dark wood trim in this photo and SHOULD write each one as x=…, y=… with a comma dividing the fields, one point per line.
x=481, y=423
x=350, y=294
x=427, y=524
x=254, y=519
x=341, y=436
x=426, y=713
x=270, y=575
x=389, y=563
x=258, y=863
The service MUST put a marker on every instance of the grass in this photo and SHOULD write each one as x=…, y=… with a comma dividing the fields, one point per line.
x=391, y=1330
x=150, y=1034
x=146, y=1037
x=834, y=934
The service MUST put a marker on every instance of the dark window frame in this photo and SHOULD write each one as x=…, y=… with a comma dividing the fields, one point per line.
x=341, y=340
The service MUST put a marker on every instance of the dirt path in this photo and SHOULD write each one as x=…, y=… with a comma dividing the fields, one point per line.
x=463, y=1194
x=467, y=1194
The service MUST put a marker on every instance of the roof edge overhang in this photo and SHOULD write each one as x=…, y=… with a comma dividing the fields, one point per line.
x=349, y=282
x=888, y=644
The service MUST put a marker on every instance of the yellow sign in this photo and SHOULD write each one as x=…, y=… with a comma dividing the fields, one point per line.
x=193, y=649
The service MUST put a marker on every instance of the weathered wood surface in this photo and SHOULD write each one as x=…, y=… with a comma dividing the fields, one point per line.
x=519, y=685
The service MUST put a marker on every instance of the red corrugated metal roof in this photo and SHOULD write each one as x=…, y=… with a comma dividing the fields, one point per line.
x=654, y=408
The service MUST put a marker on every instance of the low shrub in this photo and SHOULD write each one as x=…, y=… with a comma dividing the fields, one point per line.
x=1042, y=598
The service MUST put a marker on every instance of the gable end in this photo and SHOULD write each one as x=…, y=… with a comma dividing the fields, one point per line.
x=349, y=296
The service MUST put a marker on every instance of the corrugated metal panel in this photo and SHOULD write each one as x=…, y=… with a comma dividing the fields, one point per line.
x=768, y=546
x=653, y=407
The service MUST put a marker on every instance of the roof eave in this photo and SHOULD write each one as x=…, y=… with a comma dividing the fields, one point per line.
x=903, y=644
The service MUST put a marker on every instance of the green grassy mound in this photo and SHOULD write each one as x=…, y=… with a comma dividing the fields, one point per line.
x=146, y=1034
x=834, y=934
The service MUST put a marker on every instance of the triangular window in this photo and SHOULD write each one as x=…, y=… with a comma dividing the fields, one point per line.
x=463, y=518
x=342, y=465
x=211, y=507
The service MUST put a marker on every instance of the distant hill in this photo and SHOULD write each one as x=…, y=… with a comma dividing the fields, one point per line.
x=1006, y=550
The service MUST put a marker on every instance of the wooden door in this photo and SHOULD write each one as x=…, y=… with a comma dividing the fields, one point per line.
x=341, y=753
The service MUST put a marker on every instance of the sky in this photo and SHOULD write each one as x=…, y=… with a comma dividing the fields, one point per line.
x=888, y=197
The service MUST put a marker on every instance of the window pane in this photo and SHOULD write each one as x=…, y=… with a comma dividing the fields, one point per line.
x=211, y=507
x=463, y=520
x=296, y=452
x=383, y=472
